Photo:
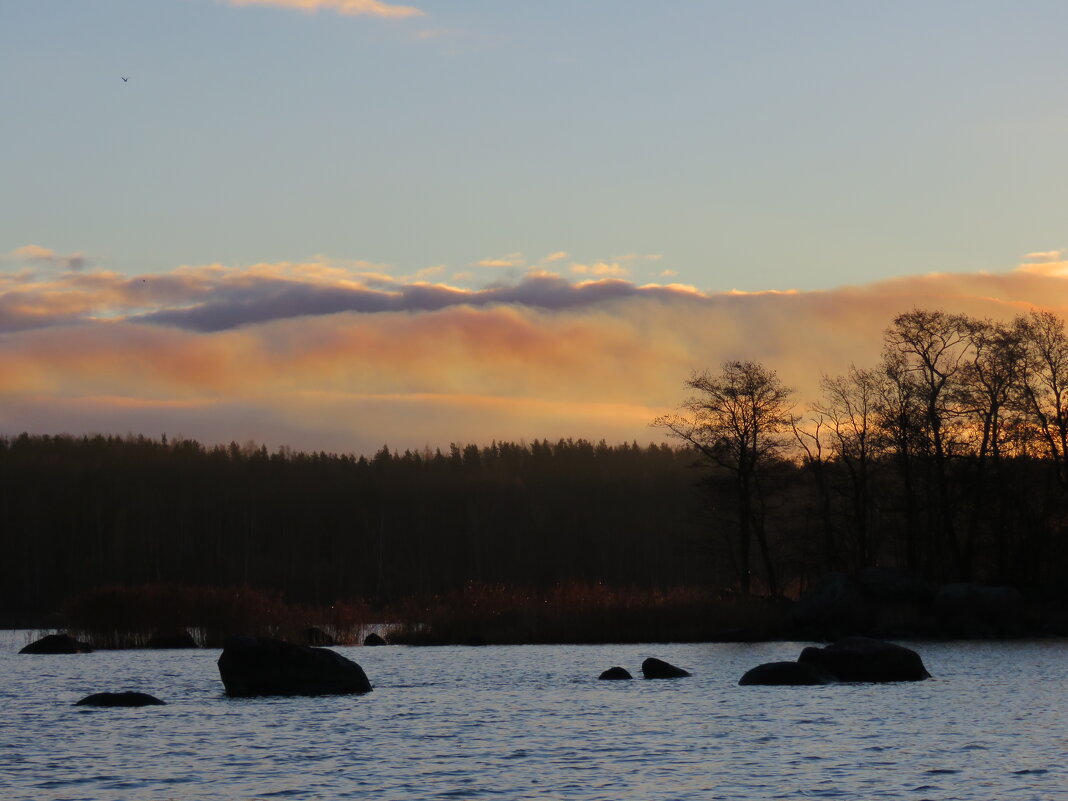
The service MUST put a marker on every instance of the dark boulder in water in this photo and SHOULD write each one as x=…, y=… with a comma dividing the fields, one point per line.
x=615, y=673
x=653, y=668
x=57, y=644
x=315, y=636
x=120, y=699
x=866, y=659
x=254, y=666
x=177, y=639
x=787, y=673
x=374, y=639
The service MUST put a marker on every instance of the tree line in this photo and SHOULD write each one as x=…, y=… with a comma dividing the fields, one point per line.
x=83, y=512
x=949, y=457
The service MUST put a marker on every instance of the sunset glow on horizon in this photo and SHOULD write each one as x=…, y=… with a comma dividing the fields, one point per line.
x=338, y=357
x=338, y=224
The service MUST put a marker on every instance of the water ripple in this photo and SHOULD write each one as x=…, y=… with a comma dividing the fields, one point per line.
x=534, y=723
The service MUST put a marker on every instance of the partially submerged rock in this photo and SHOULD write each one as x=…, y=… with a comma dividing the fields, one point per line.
x=57, y=644
x=653, y=668
x=120, y=699
x=615, y=674
x=174, y=639
x=254, y=666
x=374, y=639
x=866, y=659
x=787, y=673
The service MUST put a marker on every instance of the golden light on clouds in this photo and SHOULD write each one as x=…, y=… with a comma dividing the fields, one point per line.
x=373, y=8
x=342, y=356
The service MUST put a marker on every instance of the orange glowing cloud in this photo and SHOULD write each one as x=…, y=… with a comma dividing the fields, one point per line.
x=600, y=268
x=372, y=8
x=341, y=356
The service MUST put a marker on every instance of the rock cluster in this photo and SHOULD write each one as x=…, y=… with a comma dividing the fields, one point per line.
x=853, y=659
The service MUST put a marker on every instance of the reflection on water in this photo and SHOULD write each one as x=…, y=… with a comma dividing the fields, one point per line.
x=534, y=722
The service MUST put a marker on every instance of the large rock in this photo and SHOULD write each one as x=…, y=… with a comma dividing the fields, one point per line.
x=174, y=639
x=653, y=668
x=781, y=673
x=57, y=644
x=615, y=674
x=120, y=699
x=261, y=666
x=865, y=659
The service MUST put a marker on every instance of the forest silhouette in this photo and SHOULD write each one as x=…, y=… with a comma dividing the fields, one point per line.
x=949, y=458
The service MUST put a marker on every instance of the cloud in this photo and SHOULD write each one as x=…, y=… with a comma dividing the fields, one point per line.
x=340, y=356
x=600, y=268
x=39, y=255
x=437, y=33
x=1049, y=262
x=371, y=8
x=559, y=255
x=511, y=260
x=429, y=272
x=33, y=253
x=1046, y=255
x=640, y=257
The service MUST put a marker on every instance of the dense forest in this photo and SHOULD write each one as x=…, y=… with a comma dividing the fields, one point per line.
x=86, y=511
x=949, y=458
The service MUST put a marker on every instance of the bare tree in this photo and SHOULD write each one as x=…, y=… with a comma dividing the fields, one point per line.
x=989, y=400
x=737, y=419
x=847, y=412
x=925, y=352
x=1045, y=384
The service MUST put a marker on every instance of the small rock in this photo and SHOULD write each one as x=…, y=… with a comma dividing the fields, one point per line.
x=653, y=668
x=57, y=644
x=615, y=673
x=787, y=673
x=120, y=699
x=374, y=639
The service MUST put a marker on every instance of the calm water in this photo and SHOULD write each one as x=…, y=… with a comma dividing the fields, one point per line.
x=534, y=723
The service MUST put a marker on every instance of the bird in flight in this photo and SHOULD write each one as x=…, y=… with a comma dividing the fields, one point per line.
x=124, y=78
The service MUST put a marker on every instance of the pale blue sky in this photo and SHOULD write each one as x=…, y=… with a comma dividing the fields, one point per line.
x=755, y=145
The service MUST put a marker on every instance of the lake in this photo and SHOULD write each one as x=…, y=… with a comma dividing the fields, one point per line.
x=533, y=722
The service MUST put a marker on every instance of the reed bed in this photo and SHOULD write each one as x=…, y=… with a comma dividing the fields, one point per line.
x=574, y=612
x=129, y=617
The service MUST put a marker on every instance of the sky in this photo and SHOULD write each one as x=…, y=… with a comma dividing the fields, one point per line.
x=337, y=224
